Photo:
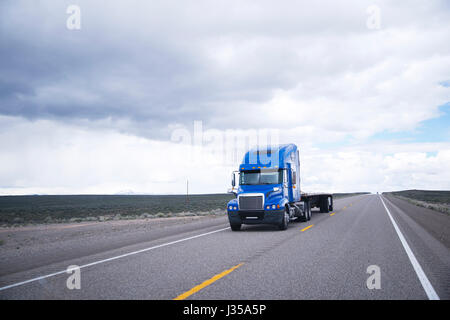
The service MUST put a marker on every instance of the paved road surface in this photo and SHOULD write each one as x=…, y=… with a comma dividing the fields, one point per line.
x=206, y=260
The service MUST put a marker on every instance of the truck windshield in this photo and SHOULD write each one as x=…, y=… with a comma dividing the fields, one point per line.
x=264, y=177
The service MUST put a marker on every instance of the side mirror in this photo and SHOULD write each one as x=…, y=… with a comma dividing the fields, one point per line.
x=233, y=178
x=233, y=191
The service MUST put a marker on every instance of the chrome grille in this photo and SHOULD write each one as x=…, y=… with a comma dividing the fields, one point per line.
x=250, y=202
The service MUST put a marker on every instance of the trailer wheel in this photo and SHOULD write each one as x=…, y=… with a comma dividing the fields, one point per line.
x=235, y=227
x=324, y=207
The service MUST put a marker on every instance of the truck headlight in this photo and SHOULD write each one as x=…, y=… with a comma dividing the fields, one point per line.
x=230, y=208
x=273, y=206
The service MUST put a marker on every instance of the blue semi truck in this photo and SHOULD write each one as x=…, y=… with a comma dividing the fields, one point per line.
x=267, y=189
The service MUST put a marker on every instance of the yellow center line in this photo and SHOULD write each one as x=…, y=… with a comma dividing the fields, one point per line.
x=332, y=214
x=304, y=229
x=206, y=283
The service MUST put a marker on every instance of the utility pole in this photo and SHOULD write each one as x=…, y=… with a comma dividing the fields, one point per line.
x=187, y=191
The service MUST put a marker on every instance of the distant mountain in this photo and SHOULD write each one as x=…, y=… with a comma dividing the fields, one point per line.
x=126, y=193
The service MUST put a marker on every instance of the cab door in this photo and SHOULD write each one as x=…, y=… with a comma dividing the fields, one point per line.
x=285, y=184
x=290, y=183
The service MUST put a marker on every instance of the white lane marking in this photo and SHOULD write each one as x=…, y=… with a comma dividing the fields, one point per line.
x=110, y=259
x=429, y=290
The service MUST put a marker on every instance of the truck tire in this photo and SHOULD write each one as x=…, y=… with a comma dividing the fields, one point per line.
x=304, y=218
x=309, y=211
x=284, y=223
x=324, y=208
x=321, y=207
x=235, y=227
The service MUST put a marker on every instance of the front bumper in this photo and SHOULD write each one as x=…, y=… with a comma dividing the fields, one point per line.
x=256, y=216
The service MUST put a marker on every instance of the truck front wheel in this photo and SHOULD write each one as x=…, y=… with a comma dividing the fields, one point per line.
x=235, y=227
x=284, y=222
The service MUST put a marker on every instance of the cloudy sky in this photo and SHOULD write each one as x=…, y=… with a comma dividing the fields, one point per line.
x=116, y=106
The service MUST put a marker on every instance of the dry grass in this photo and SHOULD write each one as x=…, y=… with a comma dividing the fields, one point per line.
x=434, y=200
x=23, y=210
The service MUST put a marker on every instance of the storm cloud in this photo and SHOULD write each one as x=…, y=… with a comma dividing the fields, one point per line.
x=154, y=63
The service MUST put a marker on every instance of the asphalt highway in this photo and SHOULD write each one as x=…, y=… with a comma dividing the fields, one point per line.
x=325, y=258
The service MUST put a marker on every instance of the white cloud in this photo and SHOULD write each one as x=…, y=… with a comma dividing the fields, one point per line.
x=48, y=157
x=377, y=170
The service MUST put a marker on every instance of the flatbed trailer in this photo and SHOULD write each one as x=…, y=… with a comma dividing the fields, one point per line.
x=323, y=201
